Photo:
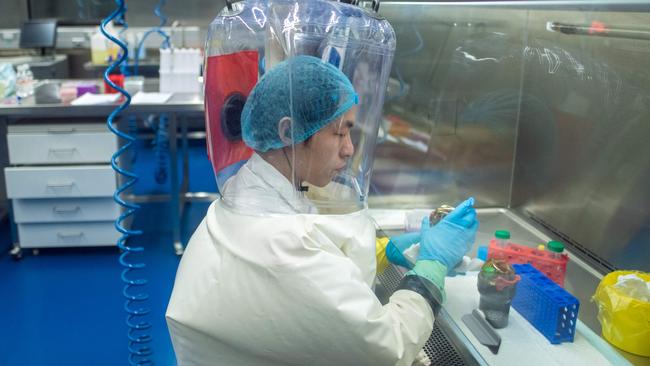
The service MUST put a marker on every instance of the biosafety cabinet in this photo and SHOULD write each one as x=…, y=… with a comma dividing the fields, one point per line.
x=538, y=109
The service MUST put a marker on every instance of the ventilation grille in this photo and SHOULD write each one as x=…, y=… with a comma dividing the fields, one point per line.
x=438, y=347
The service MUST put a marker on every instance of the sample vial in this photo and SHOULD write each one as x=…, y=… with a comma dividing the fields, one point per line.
x=555, y=248
x=502, y=237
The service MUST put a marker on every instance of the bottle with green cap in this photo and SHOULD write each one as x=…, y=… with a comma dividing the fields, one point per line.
x=502, y=237
x=555, y=248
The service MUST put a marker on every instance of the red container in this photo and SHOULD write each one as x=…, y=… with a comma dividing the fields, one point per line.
x=117, y=79
x=545, y=261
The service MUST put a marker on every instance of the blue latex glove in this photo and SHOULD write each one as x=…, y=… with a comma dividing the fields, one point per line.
x=397, y=245
x=447, y=241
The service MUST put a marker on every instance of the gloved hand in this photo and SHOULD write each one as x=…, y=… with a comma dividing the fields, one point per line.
x=397, y=245
x=447, y=241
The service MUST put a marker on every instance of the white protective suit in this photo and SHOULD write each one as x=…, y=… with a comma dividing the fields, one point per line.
x=287, y=289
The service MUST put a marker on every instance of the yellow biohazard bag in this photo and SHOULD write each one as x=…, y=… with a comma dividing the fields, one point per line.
x=625, y=321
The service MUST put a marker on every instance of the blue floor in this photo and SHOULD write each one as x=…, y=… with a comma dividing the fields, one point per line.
x=65, y=306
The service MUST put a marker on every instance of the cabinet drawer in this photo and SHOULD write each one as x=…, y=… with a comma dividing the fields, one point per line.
x=60, y=144
x=65, y=210
x=64, y=181
x=67, y=234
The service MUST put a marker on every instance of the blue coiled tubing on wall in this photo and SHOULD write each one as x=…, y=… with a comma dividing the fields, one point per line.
x=138, y=338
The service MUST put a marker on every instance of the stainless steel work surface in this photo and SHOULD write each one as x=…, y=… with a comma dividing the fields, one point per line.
x=581, y=279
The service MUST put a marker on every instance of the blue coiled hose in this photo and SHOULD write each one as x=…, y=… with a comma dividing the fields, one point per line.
x=166, y=41
x=139, y=351
x=161, y=141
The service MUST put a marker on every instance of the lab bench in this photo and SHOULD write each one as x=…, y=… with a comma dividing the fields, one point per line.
x=59, y=177
x=451, y=342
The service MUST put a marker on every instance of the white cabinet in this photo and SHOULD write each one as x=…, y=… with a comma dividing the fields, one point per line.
x=65, y=210
x=60, y=181
x=61, y=184
x=67, y=234
x=61, y=144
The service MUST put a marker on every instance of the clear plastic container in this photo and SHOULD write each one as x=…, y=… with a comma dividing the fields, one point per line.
x=133, y=84
x=7, y=80
x=555, y=248
x=413, y=219
x=497, y=283
x=502, y=238
x=24, y=81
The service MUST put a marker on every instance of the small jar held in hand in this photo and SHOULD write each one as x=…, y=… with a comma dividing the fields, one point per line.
x=448, y=240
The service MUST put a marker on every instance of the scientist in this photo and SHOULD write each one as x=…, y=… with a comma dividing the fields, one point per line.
x=269, y=278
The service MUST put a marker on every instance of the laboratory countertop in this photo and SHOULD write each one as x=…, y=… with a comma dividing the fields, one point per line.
x=33, y=60
x=181, y=103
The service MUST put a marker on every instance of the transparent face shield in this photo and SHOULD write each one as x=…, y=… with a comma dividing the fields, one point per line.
x=311, y=121
x=300, y=119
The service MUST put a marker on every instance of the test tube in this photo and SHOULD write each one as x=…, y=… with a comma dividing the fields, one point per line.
x=502, y=237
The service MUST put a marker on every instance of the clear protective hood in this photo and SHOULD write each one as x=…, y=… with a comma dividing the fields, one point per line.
x=299, y=85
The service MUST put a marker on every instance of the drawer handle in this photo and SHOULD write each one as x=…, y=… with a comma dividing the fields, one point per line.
x=70, y=235
x=59, y=210
x=67, y=150
x=78, y=41
x=61, y=130
x=60, y=185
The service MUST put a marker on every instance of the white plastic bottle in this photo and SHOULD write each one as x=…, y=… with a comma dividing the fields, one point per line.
x=101, y=49
x=24, y=81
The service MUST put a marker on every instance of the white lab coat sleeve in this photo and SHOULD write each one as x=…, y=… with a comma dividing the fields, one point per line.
x=358, y=330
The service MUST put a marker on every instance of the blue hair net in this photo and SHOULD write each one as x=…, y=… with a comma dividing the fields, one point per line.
x=304, y=88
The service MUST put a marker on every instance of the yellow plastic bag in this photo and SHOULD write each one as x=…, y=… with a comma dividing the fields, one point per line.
x=625, y=321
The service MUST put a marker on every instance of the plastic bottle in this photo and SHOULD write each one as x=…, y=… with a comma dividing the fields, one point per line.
x=496, y=285
x=24, y=81
x=101, y=49
x=502, y=237
x=98, y=54
x=555, y=248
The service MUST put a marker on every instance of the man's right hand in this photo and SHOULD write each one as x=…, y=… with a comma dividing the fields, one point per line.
x=452, y=237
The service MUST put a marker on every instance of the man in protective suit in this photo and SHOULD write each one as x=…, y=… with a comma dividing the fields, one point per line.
x=269, y=278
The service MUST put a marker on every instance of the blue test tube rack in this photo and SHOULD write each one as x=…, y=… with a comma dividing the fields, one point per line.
x=552, y=310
